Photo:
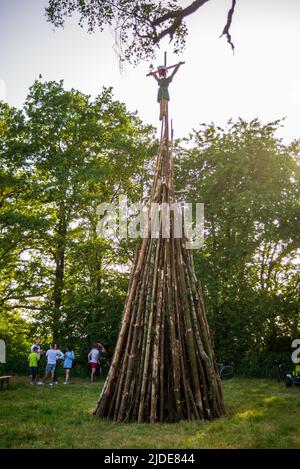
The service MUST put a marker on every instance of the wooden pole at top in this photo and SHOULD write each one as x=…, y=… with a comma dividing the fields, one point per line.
x=167, y=114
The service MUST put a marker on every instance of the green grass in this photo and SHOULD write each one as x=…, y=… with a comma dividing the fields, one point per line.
x=260, y=414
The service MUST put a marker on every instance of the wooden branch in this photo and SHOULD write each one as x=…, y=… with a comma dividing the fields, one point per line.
x=9, y=297
x=166, y=68
x=228, y=24
x=180, y=13
x=178, y=16
x=37, y=308
x=156, y=71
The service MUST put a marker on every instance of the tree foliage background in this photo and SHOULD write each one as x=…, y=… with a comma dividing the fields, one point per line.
x=63, y=153
x=248, y=181
x=61, y=156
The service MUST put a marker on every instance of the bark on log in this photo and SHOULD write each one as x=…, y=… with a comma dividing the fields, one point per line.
x=164, y=368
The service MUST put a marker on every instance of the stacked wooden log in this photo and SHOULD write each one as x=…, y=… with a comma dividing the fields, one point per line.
x=163, y=369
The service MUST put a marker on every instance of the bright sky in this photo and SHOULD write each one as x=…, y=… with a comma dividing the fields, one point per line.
x=261, y=80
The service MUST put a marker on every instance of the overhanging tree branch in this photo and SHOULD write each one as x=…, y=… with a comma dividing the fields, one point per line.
x=180, y=13
x=228, y=24
x=140, y=24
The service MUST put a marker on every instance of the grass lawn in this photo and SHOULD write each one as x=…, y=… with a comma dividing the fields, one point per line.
x=260, y=414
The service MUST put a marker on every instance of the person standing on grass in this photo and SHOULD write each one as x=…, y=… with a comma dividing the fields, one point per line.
x=59, y=356
x=101, y=349
x=33, y=364
x=51, y=355
x=68, y=362
x=94, y=359
x=39, y=352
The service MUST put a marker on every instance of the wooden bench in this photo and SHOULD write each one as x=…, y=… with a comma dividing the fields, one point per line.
x=4, y=379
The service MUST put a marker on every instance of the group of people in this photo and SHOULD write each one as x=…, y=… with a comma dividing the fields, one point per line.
x=53, y=356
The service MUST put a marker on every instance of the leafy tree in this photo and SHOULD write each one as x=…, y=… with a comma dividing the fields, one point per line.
x=249, y=184
x=77, y=154
x=17, y=334
x=139, y=25
x=16, y=218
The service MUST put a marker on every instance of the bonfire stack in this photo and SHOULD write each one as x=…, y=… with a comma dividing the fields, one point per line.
x=163, y=369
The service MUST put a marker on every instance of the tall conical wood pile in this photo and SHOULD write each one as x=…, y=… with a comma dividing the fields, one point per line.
x=163, y=368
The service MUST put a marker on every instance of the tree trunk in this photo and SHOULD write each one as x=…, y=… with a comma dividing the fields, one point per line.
x=59, y=272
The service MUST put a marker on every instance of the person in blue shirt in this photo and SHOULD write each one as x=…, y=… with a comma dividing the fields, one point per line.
x=68, y=362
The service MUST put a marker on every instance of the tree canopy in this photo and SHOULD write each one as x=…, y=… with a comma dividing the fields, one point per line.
x=139, y=25
x=248, y=181
x=62, y=155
